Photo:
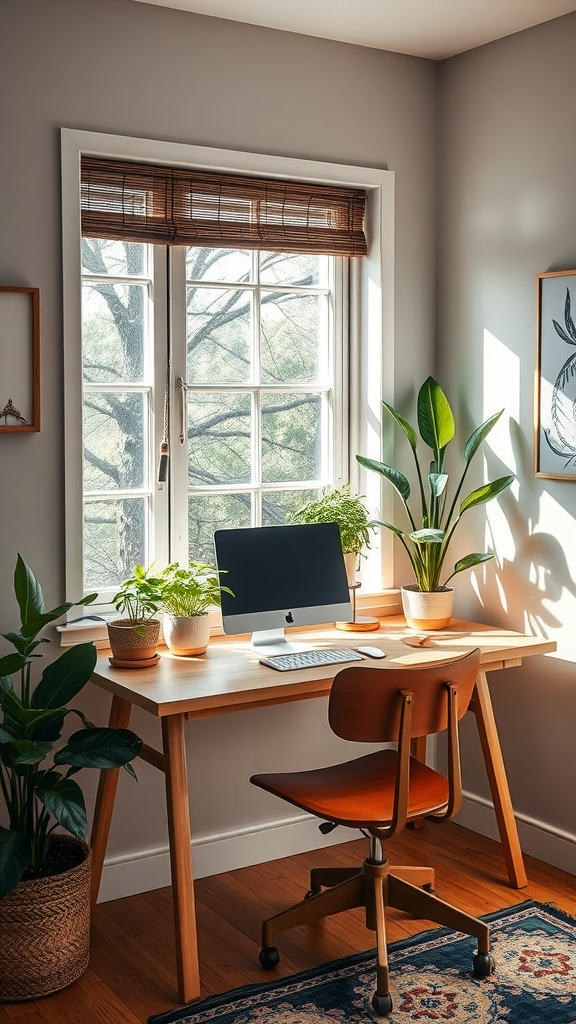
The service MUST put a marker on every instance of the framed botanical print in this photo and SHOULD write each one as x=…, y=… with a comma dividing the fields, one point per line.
x=555, y=391
x=19, y=359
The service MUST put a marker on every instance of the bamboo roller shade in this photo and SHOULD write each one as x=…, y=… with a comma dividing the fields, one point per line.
x=182, y=206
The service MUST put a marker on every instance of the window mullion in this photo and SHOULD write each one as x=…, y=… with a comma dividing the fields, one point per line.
x=177, y=298
x=256, y=398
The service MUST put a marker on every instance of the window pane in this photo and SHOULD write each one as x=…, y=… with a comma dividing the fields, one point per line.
x=219, y=441
x=114, y=540
x=294, y=268
x=113, y=441
x=207, y=513
x=218, y=264
x=293, y=337
x=106, y=256
x=113, y=332
x=278, y=505
x=291, y=436
x=218, y=329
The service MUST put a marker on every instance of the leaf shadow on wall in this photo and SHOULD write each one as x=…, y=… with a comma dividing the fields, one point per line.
x=524, y=586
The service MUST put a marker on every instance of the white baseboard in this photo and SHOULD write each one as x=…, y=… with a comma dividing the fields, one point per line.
x=150, y=869
x=537, y=839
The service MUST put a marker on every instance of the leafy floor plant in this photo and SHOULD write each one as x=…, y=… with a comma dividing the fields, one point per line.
x=427, y=544
x=35, y=778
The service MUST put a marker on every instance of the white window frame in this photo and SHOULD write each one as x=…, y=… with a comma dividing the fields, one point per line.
x=371, y=357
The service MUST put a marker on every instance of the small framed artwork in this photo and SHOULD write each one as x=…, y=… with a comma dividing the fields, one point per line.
x=555, y=391
x=19, y=359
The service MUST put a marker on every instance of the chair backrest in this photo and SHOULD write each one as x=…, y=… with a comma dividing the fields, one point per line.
x=366, y=703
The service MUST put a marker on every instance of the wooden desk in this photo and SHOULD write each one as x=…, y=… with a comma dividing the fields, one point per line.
x=228, y=678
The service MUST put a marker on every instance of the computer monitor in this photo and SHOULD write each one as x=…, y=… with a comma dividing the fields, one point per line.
x=281, y=575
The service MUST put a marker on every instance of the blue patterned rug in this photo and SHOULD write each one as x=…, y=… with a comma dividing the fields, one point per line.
x=534, y=947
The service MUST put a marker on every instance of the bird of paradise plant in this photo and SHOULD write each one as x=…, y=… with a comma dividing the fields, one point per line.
x=427, y=544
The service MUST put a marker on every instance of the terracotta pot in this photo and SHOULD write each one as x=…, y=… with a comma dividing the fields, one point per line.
x=351, y=563
x=45, y=929
x=186, y=634
x=131, y=642
x=427, y=609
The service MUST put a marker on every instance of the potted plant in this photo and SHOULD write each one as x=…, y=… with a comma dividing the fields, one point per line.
x=45, y=873
x=428, y=603
x=134, y=638
x=187, y=594
x=346, y=509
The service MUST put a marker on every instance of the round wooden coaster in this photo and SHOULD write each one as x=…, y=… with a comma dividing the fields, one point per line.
x=363, y=624
x=124, y=663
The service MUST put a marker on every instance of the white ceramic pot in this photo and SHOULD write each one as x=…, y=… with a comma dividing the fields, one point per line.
x=425, y=609
x=351, y=563
x=186, y=634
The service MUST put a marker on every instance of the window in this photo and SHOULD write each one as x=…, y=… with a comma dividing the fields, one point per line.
x=258, y=403
x=262, y=398
x=118, y=380
x=270, y=408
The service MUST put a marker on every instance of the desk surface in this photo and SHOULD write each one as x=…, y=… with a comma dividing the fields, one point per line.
x=229, y=678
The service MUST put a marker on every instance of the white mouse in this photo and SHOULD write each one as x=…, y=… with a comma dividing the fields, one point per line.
x=371, y=652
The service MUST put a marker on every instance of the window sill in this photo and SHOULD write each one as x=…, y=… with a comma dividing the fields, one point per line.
x=386, y=602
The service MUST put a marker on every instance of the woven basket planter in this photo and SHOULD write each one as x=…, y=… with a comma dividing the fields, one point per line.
x=133, y=643
x=45, y=930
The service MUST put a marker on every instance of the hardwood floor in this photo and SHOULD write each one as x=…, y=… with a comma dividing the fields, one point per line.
x=131, y=971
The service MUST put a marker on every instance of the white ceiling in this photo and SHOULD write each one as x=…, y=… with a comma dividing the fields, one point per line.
x=425, y=28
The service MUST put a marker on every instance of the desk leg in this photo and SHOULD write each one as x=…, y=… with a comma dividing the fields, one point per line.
x=494, y=761
x=119, y=719
x=180, y=858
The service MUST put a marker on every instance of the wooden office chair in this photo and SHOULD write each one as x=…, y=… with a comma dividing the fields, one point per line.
x=378, y=794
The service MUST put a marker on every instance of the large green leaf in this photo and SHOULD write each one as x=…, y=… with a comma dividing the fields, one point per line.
x=27, y=752
x=397, y=479
x=470, y=560
x=50, y=727
x=37, y=622
x=485, y=493
x=22, y=721
x=28, y=591
x=14, y=858
x=477, y=436
x=389, y=526
x=435, y=419
x=6, y=686
x=64, y=678
x=406, y=427
x=428, y=536
x=5, y=737
x=437, y=483
x=11, y=663
x=100, y=748
x=65, y=801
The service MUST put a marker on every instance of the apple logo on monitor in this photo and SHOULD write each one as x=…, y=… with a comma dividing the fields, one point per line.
x=289, y=617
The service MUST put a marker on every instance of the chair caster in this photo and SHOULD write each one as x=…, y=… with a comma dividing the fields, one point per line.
x=483, y=965
x=382, y=1005
x=268, y=957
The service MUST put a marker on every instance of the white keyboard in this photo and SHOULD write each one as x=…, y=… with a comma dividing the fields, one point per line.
x=310, y=659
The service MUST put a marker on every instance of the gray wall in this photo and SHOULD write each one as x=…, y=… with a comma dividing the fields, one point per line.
x=507, y=212
x=134, y=69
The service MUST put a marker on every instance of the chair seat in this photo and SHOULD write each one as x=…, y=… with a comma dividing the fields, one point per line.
x=358, y=793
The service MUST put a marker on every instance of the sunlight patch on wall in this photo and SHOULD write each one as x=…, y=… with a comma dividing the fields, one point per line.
x=501, y=391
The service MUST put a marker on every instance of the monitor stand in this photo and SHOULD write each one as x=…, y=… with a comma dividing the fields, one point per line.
x=273, y=641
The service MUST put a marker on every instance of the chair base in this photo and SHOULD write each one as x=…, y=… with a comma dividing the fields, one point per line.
x=375, y=886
